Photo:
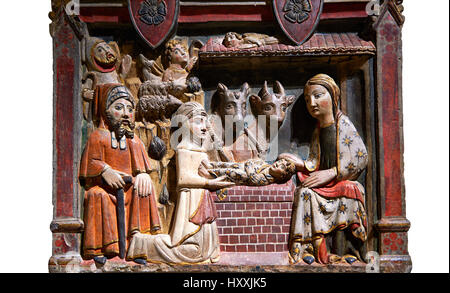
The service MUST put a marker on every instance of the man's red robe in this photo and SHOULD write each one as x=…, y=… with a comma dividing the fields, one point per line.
x=100, y=219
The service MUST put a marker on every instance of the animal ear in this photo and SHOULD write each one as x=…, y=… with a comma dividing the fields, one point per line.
x=255, y=100
x=245, y=89
x=290, y=100
x=222, y=87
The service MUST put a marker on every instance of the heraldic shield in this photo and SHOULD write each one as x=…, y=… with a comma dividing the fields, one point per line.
x=298, y=18
x=154, y=19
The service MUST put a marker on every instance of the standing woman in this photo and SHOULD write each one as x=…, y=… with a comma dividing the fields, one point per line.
x=329, y=203
x=193, y=237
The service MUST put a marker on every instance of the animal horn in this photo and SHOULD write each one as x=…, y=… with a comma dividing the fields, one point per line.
x=264, y=91
x=278, y=88
x=222, y=87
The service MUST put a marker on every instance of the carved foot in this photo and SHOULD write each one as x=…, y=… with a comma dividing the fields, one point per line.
x=295, y=253
x=333, y=258
x=308, y=258
x=101, y=260
x=140, y=261
x=350, y=258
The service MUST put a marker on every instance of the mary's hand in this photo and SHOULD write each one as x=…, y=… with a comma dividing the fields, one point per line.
x=218, y=183
x=299, y=163
x=320, y=178
x=143, y=185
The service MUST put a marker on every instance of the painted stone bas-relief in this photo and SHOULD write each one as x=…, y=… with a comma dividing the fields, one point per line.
x=111, y=154
x=167, y=82
x=193, y=237
x=211, y=146
x=102, y=63
x=247, y=40
x=328, y=202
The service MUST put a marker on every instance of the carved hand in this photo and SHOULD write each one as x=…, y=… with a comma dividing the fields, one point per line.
x=218, y=183
x=191, y=63
x=126, y=65
x=143, y=185
x=178, y=84
x=206, y=164
x=114, y=178
x=320, y=178
x=202, y=171
x=299, y=163
x=254, y=40
x=88, y=94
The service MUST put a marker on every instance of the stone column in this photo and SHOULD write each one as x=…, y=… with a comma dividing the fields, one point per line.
x=392, y=225
x=67, y=117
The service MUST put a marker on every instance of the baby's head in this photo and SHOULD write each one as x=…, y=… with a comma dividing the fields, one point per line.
x=232, y=39
x=282, y=170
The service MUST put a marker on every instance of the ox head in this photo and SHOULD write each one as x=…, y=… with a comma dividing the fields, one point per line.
x=268, y=104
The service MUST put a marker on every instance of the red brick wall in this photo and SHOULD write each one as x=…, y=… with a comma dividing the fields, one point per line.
x=255, y=219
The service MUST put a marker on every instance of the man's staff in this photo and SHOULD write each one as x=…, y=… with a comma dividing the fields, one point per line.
x=120, y=209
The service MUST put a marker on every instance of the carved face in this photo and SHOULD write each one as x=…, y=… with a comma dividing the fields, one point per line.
x=318, y=101
x=231, y=40
x=274, y=105
x=121, y=117
x=197, y=127
x=234, y=104
x=178, y=55
x=104, y=56
x=281, y=169
x=231, y=103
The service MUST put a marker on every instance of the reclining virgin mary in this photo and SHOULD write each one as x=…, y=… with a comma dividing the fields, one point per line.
x=329, y=202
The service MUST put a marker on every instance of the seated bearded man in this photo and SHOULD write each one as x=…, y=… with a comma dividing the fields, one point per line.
x=113, y=152
x=329, y=203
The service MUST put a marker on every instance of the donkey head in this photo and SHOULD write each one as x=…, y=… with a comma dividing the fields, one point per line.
x=225, y=102
x=268, y=105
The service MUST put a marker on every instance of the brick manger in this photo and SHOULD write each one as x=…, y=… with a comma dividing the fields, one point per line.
x=256, y=220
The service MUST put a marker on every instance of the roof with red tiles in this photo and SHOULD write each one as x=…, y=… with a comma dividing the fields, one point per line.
x=320, y=44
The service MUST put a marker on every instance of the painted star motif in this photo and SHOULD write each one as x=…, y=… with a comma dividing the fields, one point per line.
x=307, y=219
x=347, y=141
x=342, y=208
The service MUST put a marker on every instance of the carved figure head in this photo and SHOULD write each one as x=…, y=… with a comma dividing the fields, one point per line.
x=190, y=109
x=232, y=39
x=101, y=56
x=282, y=170
x=268, y=104
x=322, y=96
x=177, y=53
x=225, y=102
x=193, y=116
x=119, y=111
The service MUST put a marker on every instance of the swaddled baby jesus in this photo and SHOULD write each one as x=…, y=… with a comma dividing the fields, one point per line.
x=253, y=172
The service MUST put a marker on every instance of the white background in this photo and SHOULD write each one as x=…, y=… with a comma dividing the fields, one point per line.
x=26, y=135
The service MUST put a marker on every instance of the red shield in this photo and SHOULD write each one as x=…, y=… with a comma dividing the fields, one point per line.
x=154, y=19
x=298, y=18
